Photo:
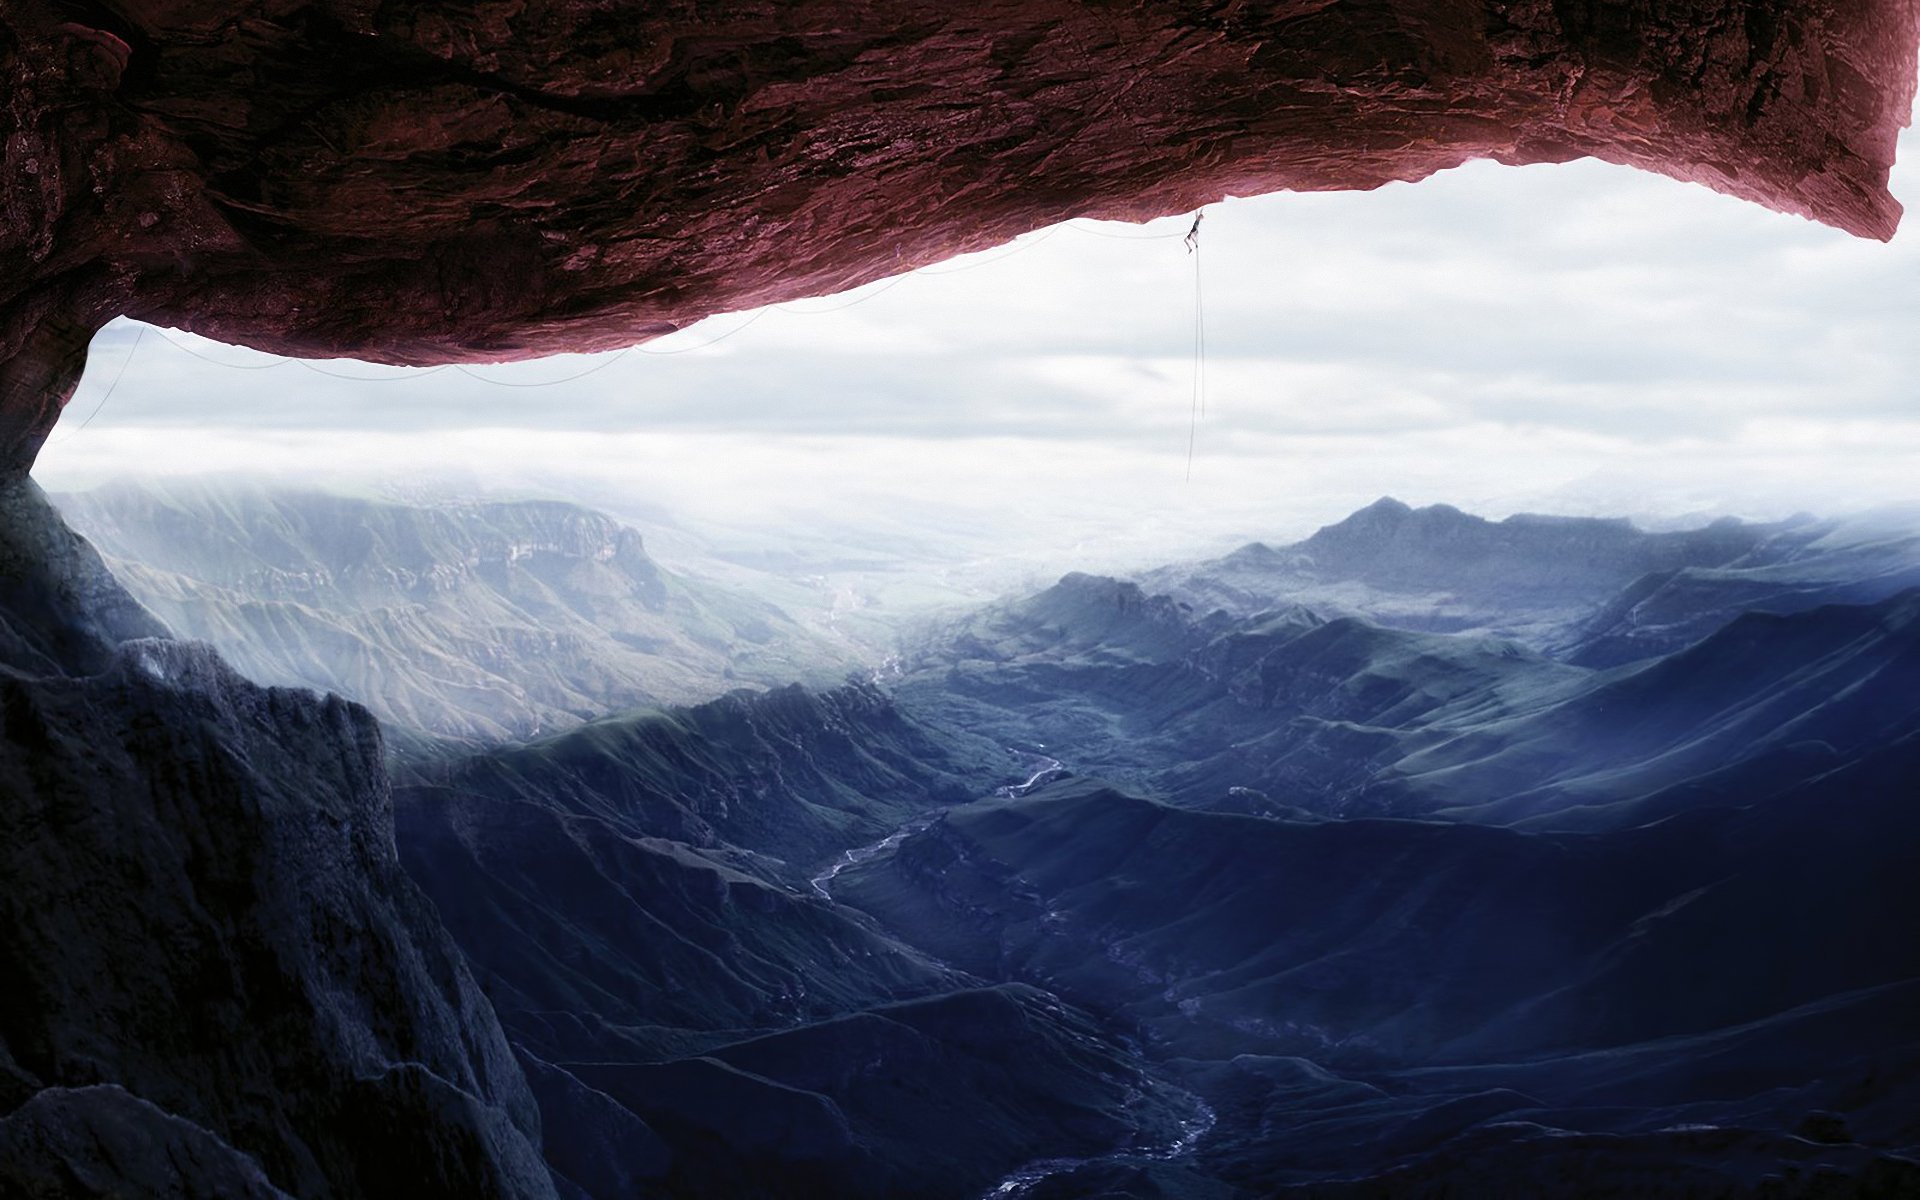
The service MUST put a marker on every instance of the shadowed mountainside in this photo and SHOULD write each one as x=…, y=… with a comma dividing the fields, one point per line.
x=1650, y=935
x=217, y=973
x=642, y=884
x=647, y=901
x=1409, y=1007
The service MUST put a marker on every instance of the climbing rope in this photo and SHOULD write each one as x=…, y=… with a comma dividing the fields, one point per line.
x=416, y=374
x=1120, y=237
x=181, y=346
x=1197, y=405
x=713, y=341
x=540, y=383
x=105, y=396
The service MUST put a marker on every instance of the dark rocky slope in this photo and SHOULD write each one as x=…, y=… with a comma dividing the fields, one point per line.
x=934, y=1098
x=647, y=901
x=217, y=973
x=1396, y=1009
x=792, y=774
x=1817, y=688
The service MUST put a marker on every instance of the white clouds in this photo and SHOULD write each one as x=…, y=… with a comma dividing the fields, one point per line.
x=1567, y=336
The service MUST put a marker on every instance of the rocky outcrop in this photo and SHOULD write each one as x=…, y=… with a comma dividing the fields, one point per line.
x=102, y=1141
x=415, y=182
x=219, y=982
x=61, y=610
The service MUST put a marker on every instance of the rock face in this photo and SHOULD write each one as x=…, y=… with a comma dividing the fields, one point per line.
x=415, y=182
x=219, y=982
x=102, y=1141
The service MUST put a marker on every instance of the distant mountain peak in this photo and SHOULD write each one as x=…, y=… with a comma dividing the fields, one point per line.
x=1125, y=592
x=1388, y=517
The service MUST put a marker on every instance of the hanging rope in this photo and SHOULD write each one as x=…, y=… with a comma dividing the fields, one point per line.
x=882, y=290
x=117, y=377
x=1197, y=405
x=190, y=352
x=540, y=383
x=714, y=341
x=1119, y=237
x=1017, y=248
x=419, y=374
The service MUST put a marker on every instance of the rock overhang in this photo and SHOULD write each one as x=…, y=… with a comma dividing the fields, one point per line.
x=410, y=181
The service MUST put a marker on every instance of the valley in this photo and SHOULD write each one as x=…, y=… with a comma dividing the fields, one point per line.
x=1101, y=891
x=983, y=601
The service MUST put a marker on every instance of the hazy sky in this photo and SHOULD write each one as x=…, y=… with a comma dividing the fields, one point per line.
x=1576, y=338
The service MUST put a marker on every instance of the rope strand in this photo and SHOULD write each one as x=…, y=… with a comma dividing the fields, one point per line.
x=117, y=377
x=421, y=374
x=190, y=352
x=540, y=383
x=1197, y=404
x=703, y=345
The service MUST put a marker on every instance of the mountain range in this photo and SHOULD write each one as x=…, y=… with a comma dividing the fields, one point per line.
x=1594, y=591
x=1376, y=911
x=479, y=621
x=1341, y=716
x=1097, y=891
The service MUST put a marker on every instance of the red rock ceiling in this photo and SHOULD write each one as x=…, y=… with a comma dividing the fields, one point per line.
x=417, y=182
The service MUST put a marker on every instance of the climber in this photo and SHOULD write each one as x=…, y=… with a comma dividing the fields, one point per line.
x=1192, y=239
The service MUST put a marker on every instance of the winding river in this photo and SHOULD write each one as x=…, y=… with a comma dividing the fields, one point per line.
x=1200, y=1116
x=1196, y=1125
x=1042, y=768
x=823, y=882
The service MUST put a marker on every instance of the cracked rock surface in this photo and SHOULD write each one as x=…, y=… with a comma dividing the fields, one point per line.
x=218, y=981
x=417, y=182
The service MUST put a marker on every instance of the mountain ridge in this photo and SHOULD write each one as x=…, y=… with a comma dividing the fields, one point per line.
x=481, y=621
x=1593, y=591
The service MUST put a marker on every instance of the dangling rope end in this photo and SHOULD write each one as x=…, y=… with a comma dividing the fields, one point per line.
x=1198, y=406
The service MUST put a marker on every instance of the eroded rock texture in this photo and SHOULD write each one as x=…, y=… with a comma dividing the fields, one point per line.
x=215, y=979
x=414, y=182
